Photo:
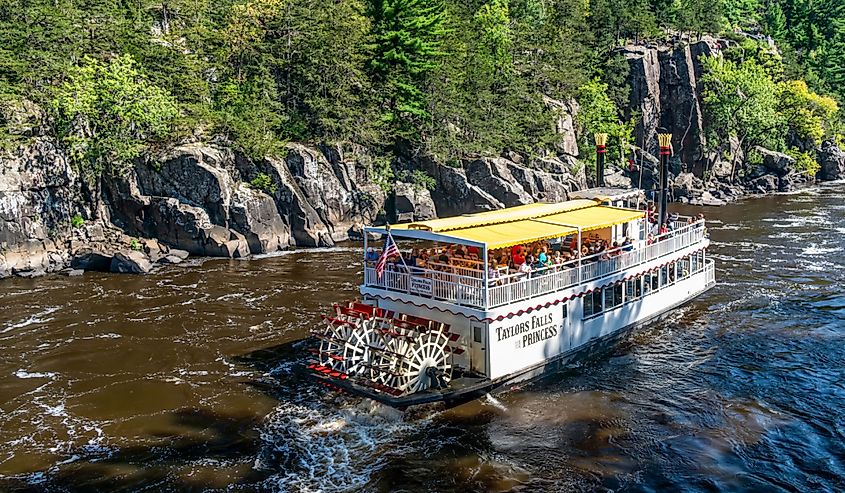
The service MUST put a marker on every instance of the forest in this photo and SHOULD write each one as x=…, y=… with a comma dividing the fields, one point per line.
x=449, y=79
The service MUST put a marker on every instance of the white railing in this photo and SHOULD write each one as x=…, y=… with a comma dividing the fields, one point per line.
x=469, y=290
x=442, y=286
x=710, y=268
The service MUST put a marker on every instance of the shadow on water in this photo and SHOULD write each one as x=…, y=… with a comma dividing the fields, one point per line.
x=211, y=450
x=210, y=440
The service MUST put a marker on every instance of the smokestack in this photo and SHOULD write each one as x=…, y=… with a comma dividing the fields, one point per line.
x=601, y=150
x=665, y=151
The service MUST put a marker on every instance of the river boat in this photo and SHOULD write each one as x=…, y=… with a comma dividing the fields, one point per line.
x=457, y=326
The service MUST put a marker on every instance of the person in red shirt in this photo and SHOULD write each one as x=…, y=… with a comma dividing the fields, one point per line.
x=517, y=257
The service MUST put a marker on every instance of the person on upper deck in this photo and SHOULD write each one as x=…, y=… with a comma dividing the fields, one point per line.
x=371, y=255
x=517, y=258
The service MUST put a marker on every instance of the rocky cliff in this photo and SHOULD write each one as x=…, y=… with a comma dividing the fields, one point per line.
x=203, y=198
x=665, y=84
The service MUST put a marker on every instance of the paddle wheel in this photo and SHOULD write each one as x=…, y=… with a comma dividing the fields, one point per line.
x=397, y=354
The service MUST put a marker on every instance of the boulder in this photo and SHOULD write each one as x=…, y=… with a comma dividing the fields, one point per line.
x=616, y=178
x=764, y=184
x=414, y=202
x=180, y=254
x=254, y=215
x=170, y=259
x=130, y=262
x=687, y=186
x=832, y=161
x=778, y=162
x=91, y=260
x=708, y=199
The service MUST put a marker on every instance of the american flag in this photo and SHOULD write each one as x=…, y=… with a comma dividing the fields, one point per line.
x=390, y=250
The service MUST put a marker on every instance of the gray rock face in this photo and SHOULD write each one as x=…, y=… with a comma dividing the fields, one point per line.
x=778, y=162
x=415, y=203
x=665, y=91
x=254, y=214
x=91, y=260
x=565, y=112
x=832, y=161
x=130, y=262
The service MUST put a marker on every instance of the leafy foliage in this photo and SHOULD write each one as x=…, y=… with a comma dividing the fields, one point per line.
x=77, y=221
x=741, y=103
x=805, y=162
x=108, y=113
x=598, y=114
x=809, y=115
x=262, y=181
x=452, y=79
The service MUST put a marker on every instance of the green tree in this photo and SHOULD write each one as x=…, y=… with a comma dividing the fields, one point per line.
x=107, y=113
x=598, y=114
x=740, y=102
x=406, y=46
x=808, y=115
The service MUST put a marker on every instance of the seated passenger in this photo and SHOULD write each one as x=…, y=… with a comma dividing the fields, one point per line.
x=518, y=258
x=543, y=258
x=371, y=255
x=493, y=272
x=525, y=268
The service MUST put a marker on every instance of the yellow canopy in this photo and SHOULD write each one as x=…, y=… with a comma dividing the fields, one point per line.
x=597, y=217
x=510, y=214
x=521, y=225
x=512, y=233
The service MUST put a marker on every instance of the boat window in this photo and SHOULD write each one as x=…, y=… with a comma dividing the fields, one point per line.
x=664, y=275
x=633, y=288
x=592, y=303
x=617, y=294
x=672, y=270
x=476, y=333
x=588, y=305
x=608, y=297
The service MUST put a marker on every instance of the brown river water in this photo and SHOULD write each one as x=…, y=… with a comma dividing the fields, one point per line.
x=187, y=379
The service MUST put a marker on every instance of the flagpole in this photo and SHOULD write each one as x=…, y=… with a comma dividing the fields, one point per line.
x=401, y=257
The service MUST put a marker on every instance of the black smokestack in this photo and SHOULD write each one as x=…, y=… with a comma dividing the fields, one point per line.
x=601, y=152
x=665, y=152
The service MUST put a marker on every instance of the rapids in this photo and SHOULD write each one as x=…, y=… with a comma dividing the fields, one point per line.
x=188, y=379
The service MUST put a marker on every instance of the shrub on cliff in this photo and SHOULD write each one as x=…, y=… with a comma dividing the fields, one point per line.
x=107, y=113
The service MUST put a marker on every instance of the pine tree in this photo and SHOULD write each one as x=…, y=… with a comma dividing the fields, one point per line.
x=407, y=39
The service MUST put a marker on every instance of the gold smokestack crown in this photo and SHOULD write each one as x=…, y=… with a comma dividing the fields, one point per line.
x=601, y=139
x=665, y=140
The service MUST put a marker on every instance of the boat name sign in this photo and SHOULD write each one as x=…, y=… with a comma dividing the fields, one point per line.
x=538, y=328
x=527, y=340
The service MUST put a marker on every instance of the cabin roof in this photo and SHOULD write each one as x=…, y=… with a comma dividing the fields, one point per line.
x=517, y=225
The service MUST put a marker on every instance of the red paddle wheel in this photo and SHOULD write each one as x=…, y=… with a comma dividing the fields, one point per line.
x=397, y=354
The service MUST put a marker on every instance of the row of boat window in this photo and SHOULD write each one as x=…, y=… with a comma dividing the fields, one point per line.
x=611, y=297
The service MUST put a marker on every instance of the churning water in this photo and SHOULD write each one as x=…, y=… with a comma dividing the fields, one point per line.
x=187, y=379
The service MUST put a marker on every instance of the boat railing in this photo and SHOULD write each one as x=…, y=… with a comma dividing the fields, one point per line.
x=469, y=290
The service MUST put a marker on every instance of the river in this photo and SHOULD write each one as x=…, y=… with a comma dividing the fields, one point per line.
x=187, y=379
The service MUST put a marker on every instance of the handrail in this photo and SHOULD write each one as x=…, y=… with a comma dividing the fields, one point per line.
x=471, y=291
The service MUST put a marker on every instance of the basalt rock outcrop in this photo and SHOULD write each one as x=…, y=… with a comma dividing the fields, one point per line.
x=207, y=199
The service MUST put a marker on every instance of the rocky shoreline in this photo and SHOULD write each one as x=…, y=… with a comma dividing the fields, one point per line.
x=205, y=198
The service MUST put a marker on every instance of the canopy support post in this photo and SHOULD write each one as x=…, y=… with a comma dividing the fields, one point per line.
x=486, y=276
